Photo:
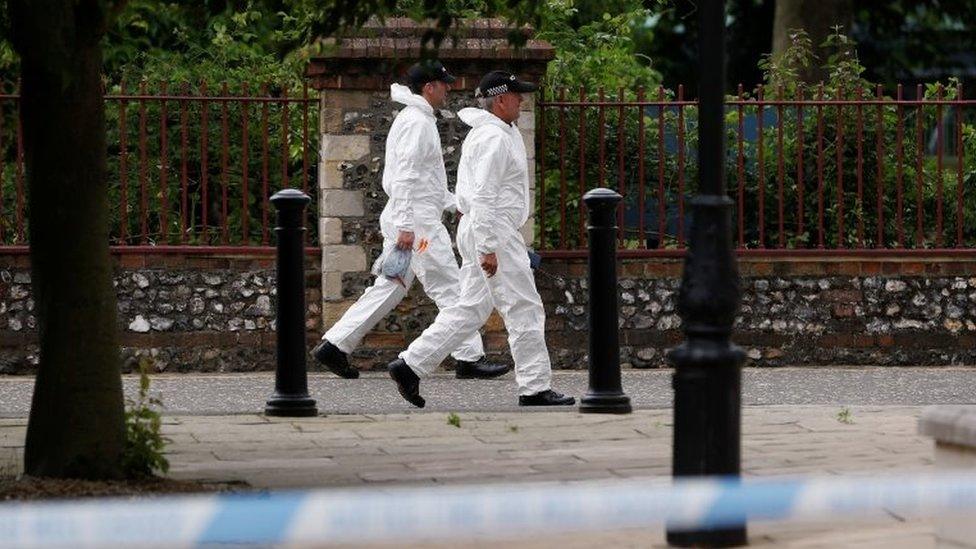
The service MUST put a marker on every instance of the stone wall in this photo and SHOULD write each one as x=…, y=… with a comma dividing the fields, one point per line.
x=217, y=314
x=794, y=313
x=186, y=313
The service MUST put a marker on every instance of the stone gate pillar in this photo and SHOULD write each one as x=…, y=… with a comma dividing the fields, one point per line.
x=353, y=80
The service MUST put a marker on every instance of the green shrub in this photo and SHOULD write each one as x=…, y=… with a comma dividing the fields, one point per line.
x=144, y=444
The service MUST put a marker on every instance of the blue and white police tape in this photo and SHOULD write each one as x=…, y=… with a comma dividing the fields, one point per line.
x=429, y=513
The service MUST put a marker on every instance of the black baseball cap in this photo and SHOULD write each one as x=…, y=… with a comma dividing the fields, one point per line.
x=498, y=82
x=428, y=70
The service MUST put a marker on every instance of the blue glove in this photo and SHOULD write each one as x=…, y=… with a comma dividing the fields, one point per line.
x=534, y=259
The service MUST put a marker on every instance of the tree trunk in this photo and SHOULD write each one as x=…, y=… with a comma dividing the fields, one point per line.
x=76, y=426
x=815, y=17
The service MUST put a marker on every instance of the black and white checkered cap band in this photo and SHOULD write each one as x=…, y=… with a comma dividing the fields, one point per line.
x=496, y=90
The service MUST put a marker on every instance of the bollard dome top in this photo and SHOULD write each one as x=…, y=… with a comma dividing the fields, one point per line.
x=290, y=198
x=601, y=196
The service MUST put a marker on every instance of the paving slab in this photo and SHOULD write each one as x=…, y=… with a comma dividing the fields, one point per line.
x=419, y=448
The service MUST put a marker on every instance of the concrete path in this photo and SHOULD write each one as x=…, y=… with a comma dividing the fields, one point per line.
x=797, y=421
x=376, y=451
x=374, y=393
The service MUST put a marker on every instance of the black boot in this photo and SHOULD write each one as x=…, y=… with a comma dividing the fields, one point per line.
x=546, y=398
x=334, y=359
x=407, y=382
x=479, y=369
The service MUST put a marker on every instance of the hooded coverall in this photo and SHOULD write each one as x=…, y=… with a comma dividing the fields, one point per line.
x=493, y=194
x=415, y=180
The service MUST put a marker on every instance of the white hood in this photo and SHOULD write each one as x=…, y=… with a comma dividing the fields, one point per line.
x=479, y=117
x=402, y=94
x=493, y=180
x=413, y=172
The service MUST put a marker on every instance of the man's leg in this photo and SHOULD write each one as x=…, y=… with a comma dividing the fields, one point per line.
x=346, y=334
x=453, y=325
x=520, y=306
x=375, y=303
x=438, y=272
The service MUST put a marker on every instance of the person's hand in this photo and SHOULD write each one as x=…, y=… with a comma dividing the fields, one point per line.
x=489, y=263
x=405, y=240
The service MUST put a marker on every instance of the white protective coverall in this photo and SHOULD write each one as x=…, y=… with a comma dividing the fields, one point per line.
x=415, y=180
x=493, y=194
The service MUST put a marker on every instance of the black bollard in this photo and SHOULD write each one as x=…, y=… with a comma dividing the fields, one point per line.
x=605, y=394
x=707, y=366
x=291, y=380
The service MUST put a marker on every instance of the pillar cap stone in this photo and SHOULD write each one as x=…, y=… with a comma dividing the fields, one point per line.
x=378, y=54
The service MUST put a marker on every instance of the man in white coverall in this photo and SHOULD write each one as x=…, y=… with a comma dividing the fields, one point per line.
x=493, y=196
x=415, y=180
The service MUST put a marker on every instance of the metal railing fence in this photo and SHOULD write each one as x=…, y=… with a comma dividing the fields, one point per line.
x=821, y=172
x=190, y=167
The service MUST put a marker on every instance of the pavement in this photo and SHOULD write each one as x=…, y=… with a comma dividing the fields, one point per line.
x=374, y=393
x=797, y=421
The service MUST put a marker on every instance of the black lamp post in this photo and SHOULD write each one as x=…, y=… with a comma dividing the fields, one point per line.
x=707, y=387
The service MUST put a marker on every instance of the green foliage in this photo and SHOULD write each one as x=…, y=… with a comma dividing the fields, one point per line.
x=245, y=41
x=858, y=209
x=144, y=445
x=334, y=17
x=844, y=416
x=454, y=419
x=909, y=167
x=8, y=58
x=783, y=72
x=188, y=46
x=844, y=68
x=906, y=40
x=596, y=52
x=458, y=9
x=596, y=56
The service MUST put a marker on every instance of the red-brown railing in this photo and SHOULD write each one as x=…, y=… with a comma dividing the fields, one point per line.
x=827, y=174
x=190, y=171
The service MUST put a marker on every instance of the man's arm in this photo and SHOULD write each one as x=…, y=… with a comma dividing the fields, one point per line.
x=411, y=155
x=487, y=172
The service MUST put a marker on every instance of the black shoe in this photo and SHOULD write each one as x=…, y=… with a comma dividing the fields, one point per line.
x=334, y=359
x=407, y=382
x=479, y=369
x=546, y=398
